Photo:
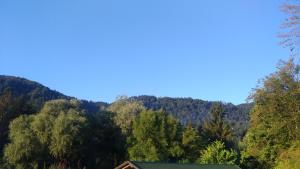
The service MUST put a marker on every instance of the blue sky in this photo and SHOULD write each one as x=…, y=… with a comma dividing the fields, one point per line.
x=99, y=49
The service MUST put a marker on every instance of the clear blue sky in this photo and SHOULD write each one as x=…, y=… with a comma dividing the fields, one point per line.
x=99, y=49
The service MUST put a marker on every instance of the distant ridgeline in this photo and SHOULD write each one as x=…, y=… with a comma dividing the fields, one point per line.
x=196, y=111
x=29, y=90
x=187, y=110
x=37, y=94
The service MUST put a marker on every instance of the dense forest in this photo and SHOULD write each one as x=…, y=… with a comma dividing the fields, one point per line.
x=44, y=129
x=196, y=111
x=41, y=128
x=186, y=110
x=40, y=116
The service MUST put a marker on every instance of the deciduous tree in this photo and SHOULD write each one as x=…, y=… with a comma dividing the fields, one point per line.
x=216, y=153
x=156, y=137
x=275, y=118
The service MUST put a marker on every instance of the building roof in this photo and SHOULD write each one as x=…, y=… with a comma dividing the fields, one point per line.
x=154, y=165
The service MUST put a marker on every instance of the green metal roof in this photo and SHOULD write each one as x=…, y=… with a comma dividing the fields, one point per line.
x=148, y=165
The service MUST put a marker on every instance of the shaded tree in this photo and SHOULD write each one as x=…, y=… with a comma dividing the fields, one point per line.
x=106, y=143
x=10, y=108
x=192, y=143
x=216, y=128
x=156, y=137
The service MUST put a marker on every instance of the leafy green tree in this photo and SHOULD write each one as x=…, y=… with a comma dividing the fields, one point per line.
x=192, y=143
x=126, y=111
x=67, y=139
x=24, y=149
x=275, y=118
x=216, y=128
x=10, y=108
x=54, y=134
x=63, y=135
x=216, y=153
x=156, y=137
x=289, y=159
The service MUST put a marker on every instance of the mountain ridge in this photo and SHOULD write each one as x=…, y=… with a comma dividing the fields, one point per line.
x=186, y=109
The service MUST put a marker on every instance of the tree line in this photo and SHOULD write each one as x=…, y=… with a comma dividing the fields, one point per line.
x=64, y=134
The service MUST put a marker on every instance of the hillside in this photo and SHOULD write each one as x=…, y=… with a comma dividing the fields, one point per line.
x=21, y=96
x=30, y=90
x=185, y=109
x=196, y=111
x=37, y=94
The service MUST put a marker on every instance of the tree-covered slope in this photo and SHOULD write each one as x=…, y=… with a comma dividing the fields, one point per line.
x=196, y=111
x=185, y=109
x=32, y=91
x=21, y=96
x=36, y=94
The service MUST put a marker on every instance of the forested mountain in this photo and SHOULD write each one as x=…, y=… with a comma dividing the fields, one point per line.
x=195, y=111
x=21, y=96
x=185, y=109
x=36, y=94
x=148, y=128
x=30, y=90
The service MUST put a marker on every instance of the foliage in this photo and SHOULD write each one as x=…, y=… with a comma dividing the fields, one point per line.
x=250, y=162
x=67, y=137
x=192, y=143
x=63, y=135
x=106, y=144
x=126, y=111
x=10, y=107
x=156, y=137
x=52, y=134
x=289, y=158
x=21, y=96
x=216, y=153
x=25, y=147
x=33, y=92
x=216, y=128
x=196, y=111
x=275, y=118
